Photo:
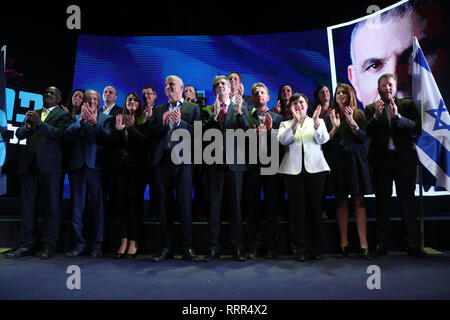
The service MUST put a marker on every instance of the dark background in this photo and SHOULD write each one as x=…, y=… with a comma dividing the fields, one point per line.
x=43, y=49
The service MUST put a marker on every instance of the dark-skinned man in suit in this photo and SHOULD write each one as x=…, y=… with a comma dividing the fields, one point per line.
x=40, y=169
x=393, y=125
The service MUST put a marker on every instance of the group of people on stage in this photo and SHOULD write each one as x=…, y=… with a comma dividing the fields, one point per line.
x=111, y=154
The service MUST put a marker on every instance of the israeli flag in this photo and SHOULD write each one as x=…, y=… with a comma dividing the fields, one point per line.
x=434, y=144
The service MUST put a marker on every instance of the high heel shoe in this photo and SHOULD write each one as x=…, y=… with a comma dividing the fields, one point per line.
x=342, y=252
x=120, y=255
x=132, y=255
x=365, y=254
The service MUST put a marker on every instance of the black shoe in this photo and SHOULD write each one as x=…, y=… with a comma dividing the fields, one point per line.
x=96, y=253
x=47, y=253
x=316, y=257
x=252, y=253
x=19, y=253
x=271, y=254
x=342, y=252
x=165, y=254
x=381, y=249
x=300, y=257
x=75, y=253
x=417, y=252
x=120, y=255
x=189, y=255
x=212, y=255
x=131, y=256
x=365, y=254
x=238, y=256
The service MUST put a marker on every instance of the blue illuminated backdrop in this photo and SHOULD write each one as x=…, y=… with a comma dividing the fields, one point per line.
x=130, y=63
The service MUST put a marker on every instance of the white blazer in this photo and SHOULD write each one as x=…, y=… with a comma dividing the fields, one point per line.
x=311, y=140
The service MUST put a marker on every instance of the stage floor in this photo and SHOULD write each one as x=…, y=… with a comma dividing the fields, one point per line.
x=401, y=277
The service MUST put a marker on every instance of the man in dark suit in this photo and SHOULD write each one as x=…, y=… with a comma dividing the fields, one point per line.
x=393, y=124
x=149, y=97
x=166, y=118
x=88, y=135
x=225, y=178
x=40, y=168
x=263, y=121
x=110, y=174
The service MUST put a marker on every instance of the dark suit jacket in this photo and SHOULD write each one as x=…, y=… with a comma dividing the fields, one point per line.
x=88, y=142
x=114, y=111
x=44, y=143
x=231, y=122
x=276, y=120
x=158, y=132
x=132, y=143
x=402, y=131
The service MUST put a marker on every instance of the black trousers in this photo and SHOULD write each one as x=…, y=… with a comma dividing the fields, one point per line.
x=388, y=170
x=305, y=192
x=168, y=177
x=272, y=187
x=48, y=186
x=134, y=182
x=222, y=181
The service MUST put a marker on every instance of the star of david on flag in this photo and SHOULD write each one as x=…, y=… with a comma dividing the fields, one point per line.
x=434, y=144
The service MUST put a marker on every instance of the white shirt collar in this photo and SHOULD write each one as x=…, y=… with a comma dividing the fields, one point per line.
x=178, y=103
x=108, y=109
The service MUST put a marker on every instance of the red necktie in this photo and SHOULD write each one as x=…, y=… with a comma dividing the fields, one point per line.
x=224, y=113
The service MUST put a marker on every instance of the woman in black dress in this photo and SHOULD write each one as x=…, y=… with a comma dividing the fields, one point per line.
x=131, y=132
x=350, y=172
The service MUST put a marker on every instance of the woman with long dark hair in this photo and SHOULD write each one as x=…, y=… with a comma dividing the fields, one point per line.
x=132, y=134
x=350, y=172
x=284, y=94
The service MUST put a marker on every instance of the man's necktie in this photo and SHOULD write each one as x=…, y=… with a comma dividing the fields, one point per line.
x=388, y=113
x=44, y=114
x=171, y=126
x=224, y=113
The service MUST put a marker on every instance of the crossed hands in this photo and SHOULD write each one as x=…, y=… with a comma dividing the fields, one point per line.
x=88, y=114
x=32, y=119
x=348, y=112
x=174, y=115
x=379, y=106
x=266, y=125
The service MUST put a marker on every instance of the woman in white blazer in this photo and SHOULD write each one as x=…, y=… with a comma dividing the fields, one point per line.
x=305, y=170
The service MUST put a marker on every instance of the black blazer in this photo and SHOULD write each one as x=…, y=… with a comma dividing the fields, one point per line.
x=114, y=111
x=131, y=145
x=254, y=121
x=231, y=122
x=158, y=132
x=44, y=143
x=88, y=142
x=403, y=132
